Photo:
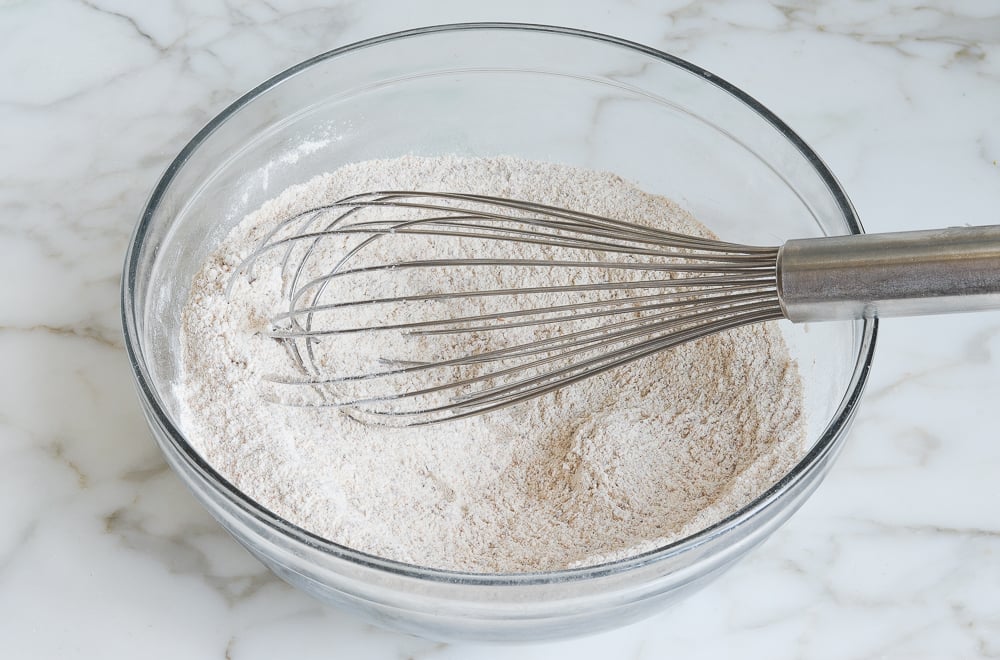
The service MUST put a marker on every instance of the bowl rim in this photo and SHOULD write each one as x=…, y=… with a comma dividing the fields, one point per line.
x=156, y=411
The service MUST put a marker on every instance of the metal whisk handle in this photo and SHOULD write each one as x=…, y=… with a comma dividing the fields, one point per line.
x=895, y=274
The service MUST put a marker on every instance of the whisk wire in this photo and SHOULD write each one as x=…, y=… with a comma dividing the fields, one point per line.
x=656, y=289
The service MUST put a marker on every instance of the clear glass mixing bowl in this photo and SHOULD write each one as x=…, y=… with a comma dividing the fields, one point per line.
x=535, y=92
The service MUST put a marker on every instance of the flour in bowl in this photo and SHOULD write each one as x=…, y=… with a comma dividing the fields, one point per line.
x=607, y=468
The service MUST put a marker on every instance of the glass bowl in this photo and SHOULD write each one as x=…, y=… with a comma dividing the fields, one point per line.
x=529, y=91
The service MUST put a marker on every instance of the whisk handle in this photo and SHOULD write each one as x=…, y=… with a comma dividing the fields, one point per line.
x=897, y=274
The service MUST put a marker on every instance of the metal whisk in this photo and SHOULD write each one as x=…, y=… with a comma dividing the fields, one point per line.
x=571, y=295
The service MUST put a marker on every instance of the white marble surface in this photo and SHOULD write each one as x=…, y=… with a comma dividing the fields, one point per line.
x=103, y=554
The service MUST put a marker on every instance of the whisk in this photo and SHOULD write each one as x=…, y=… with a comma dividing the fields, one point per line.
x=632, y=291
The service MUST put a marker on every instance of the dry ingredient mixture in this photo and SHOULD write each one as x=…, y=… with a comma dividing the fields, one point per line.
x=605, y=469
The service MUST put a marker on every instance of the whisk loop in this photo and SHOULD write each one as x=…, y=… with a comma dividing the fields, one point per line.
x=574, y=295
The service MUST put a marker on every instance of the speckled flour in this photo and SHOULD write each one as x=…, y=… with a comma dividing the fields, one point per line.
x=604, y=469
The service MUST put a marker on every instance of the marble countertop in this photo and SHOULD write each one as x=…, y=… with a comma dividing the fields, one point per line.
x=104, y=554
